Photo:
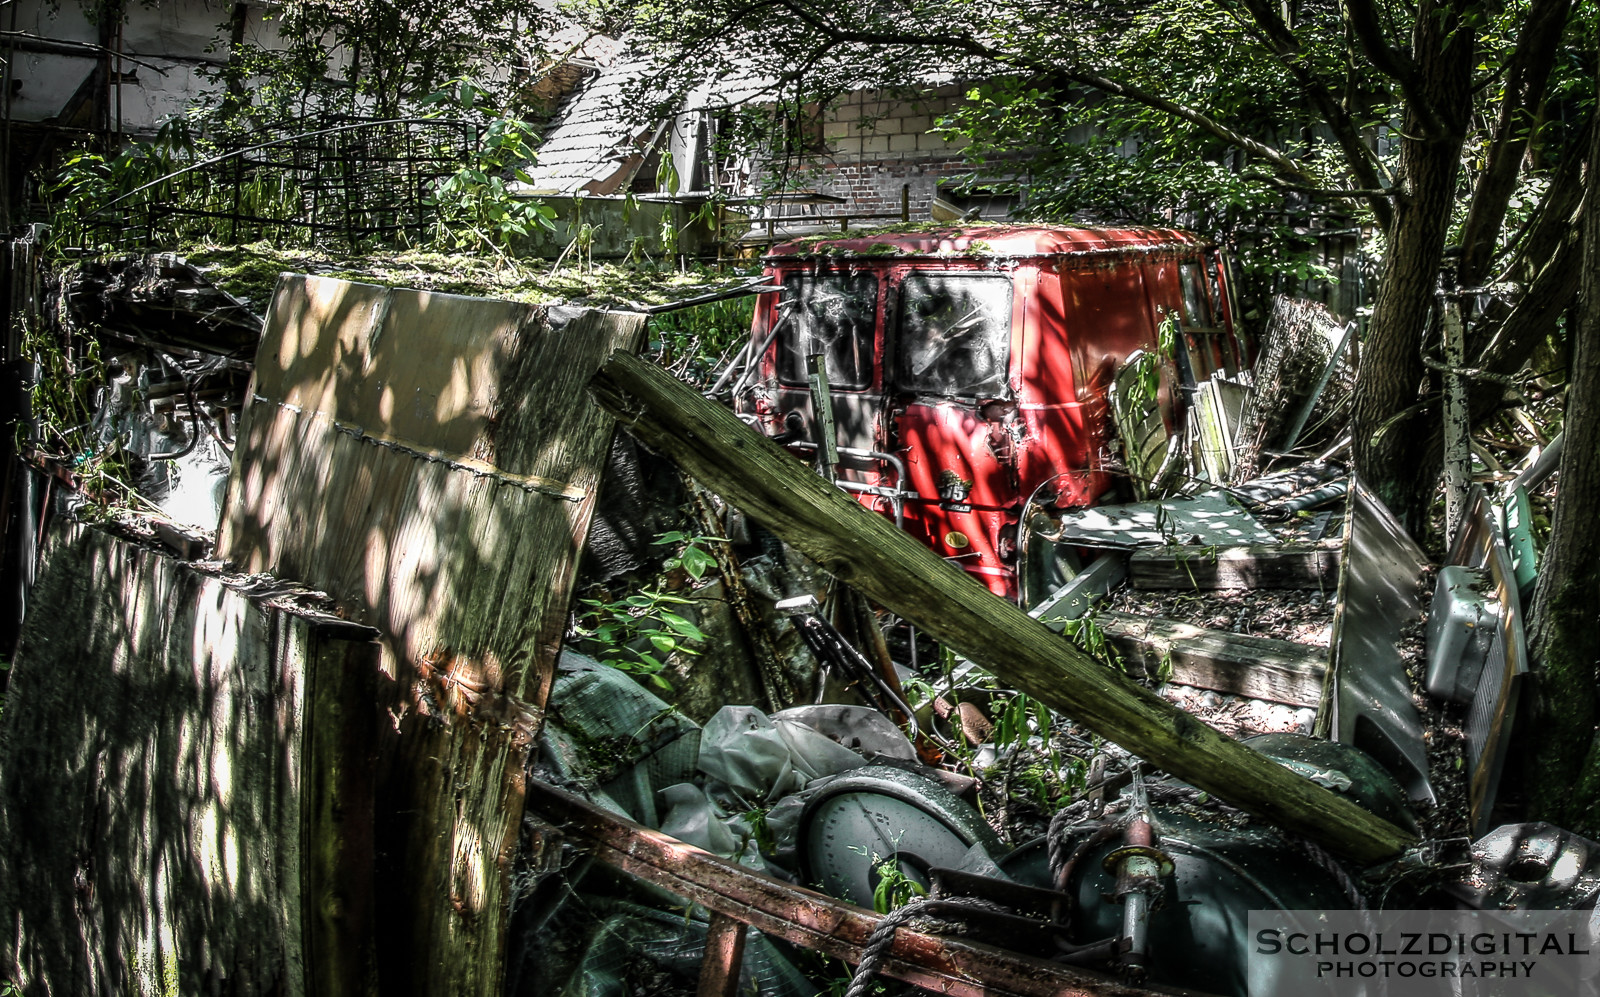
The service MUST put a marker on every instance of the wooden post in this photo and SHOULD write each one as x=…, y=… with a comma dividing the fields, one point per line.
x=905, y=202
x=866, y=551
x=719, y=971
x=1457, y=421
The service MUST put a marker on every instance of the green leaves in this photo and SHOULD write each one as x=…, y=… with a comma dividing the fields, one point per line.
x=693, y=559
x=1091, y=640
x=638, y=632
x=895, y=888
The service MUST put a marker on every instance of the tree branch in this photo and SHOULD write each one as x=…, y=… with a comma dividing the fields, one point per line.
x=26, y=42
x=1369, y=194
x=1362, y=161
x=1542, y=235
x=1398, y=66
x=1527, y=79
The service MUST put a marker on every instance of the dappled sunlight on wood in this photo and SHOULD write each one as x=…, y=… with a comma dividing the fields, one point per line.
x=160, y=772
x=430, y=461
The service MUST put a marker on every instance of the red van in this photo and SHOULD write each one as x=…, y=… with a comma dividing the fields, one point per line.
x=967, y=369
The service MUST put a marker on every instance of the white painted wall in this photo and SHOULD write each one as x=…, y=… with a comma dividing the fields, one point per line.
x=181, y=38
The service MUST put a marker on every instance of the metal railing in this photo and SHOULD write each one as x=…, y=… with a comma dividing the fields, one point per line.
x=351, y=181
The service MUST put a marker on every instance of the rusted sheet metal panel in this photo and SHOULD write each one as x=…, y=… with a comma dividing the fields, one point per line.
x=431, y=462
x=805, y=917
x=1368, y=692
x=158, y=785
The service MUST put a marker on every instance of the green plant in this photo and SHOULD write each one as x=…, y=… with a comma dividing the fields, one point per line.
x=638, y=632
x=1091, y=639
x=895, y=888
x=1147, y=380
x=476, y=207
x=1167, y=336
x=693, y=558
x=1012, y=728
x=63, y=403
x=1208, y=553
x=692, y=342
x=760, y=830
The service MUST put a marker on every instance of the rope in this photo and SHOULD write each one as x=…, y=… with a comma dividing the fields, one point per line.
x=882, y=938
x=1333, y=867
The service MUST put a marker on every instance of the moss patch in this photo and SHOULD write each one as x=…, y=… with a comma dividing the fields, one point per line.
x=250, y=272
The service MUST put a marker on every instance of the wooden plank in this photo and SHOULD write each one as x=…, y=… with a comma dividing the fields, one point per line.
x=804, y=917
x=185, y=801
x=430, y=461
x=724, y=958
x=337, y=779
x=1235, y=567
x=1243, y=664
x=866, y=551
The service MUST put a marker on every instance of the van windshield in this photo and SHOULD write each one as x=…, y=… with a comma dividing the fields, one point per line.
x=834, y=314
x=955, y=334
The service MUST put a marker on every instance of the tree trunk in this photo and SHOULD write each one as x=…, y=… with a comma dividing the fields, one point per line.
x=1391, y=449
x=1564, y=764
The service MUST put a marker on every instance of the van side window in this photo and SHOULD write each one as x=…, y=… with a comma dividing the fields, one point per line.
x=1196, y=305
x=955, y=334
x=835, y=314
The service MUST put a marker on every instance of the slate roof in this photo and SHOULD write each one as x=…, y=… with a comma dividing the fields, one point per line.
x=592, y=147
x=589, y=146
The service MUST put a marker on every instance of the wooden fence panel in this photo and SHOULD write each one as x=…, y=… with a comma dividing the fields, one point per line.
x=154, y=772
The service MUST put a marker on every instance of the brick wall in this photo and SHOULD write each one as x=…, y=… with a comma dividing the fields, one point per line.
x=878, y=143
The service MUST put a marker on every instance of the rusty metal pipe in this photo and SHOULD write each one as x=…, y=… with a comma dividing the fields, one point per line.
x=1139, y=866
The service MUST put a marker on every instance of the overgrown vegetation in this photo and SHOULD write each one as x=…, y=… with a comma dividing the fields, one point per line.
x=1447, y=138
x=250, y=272
x=638, y=632
x=442, y=180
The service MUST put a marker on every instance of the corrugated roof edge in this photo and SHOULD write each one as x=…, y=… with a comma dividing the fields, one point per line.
x=988, y=241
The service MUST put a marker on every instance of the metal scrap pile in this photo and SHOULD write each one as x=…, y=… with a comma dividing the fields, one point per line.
x=1010, y=846
x=924, y=785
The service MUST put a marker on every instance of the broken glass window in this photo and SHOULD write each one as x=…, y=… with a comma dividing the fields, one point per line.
x=955, y=334
x=1196, y=306
x=833, y=314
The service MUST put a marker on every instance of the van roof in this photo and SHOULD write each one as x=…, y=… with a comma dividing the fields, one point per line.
x=998, y=240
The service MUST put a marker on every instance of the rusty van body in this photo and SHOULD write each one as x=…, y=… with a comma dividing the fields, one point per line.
x=967, y=369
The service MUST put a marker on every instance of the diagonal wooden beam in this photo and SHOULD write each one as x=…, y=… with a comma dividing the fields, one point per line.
x=866, y=551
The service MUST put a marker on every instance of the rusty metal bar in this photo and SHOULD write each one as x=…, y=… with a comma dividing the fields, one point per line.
x=804, y=917
x=719, y=971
